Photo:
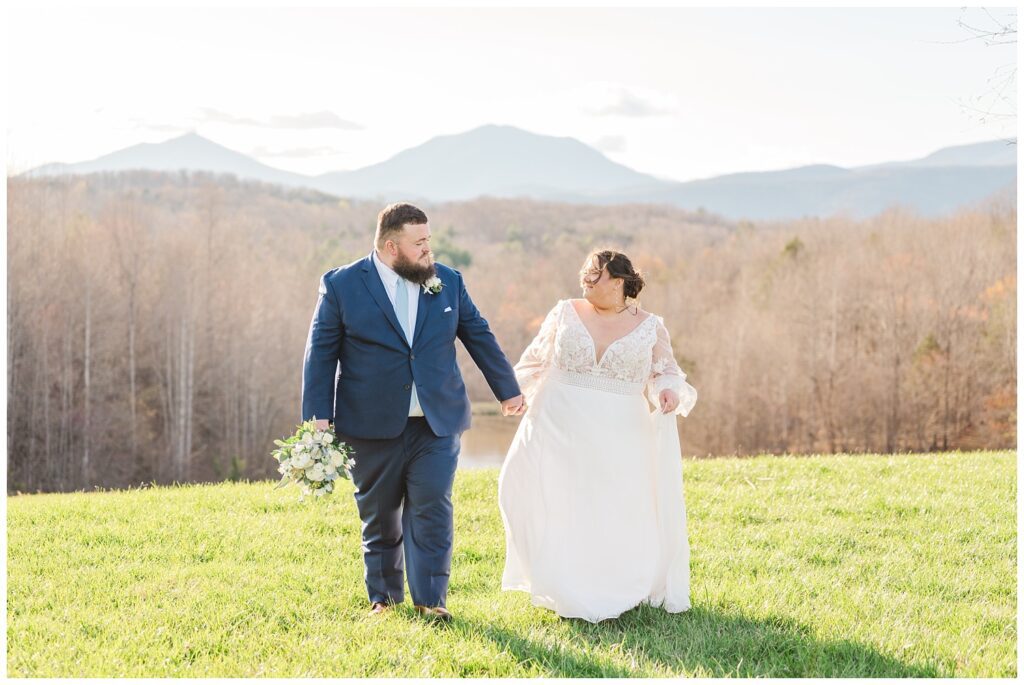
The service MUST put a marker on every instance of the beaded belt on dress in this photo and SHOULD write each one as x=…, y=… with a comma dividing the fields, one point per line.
x=587, y=380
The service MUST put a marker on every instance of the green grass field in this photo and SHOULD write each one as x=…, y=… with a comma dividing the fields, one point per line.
x=878, y=565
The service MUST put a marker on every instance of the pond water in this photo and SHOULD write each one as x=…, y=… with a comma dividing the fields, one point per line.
x=485, y=444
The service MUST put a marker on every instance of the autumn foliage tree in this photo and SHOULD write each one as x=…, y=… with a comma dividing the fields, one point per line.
x=156, y=322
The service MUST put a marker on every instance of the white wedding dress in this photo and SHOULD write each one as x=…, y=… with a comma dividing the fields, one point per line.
x=591, y=491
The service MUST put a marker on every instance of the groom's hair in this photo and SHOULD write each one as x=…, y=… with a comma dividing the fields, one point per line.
x=393, y=218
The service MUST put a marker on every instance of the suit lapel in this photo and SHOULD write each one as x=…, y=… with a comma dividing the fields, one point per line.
x=422, y=310
x=376, y=287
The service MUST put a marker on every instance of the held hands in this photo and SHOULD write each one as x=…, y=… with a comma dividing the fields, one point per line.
x=668, y=401
x=514, y=406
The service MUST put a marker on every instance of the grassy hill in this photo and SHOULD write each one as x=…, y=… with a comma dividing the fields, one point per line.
x=876, y=565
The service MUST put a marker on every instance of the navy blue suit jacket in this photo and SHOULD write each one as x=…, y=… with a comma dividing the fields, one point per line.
x=359, y=368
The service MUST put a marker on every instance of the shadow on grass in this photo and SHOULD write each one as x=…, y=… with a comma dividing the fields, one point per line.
x=712, y=642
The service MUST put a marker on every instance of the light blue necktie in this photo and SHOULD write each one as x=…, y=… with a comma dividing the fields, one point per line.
x=402, y=311
x=402, y=308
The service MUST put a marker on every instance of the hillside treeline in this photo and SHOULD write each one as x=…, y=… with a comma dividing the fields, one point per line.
x=156, y=322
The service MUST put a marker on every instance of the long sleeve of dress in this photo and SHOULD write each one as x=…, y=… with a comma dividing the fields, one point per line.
x=666, y=374
x=537, y=356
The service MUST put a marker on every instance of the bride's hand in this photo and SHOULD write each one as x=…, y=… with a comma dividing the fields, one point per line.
x=669, y=401
x=514, y=406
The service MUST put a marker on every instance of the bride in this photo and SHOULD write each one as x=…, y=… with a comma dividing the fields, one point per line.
x=591, y=491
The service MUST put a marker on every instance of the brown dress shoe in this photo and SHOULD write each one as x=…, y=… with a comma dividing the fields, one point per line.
x=434, y=613
x=378, y=608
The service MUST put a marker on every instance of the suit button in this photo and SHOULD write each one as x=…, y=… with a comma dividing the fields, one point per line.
x=408, y=387
x=412, y=356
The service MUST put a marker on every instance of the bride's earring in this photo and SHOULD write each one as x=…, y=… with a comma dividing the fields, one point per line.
x=625, y=300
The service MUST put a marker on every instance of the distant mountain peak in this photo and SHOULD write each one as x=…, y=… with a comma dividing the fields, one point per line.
x=496, y=160
x=504, y=128
x=189, y=152
x=501, y=160
x=509, y=134
x=193, y=138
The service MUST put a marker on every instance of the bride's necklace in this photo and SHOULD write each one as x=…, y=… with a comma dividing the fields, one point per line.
x=617, y=311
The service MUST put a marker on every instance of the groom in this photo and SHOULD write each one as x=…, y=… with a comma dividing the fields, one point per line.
x=380, y=361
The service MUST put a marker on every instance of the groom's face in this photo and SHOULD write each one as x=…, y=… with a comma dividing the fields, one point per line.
x=411, y=253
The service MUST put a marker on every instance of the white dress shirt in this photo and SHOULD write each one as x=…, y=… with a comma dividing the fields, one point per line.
x=392, y=282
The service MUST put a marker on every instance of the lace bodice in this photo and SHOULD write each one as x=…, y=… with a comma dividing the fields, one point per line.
x=642, y=356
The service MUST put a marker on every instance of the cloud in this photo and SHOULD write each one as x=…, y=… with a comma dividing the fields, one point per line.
x=161, y=127
x=298, y=152
x=219, y=117
x=322, y=119
x=313, y=120
x=167, y=128
x=629, y=105
x=611, y=144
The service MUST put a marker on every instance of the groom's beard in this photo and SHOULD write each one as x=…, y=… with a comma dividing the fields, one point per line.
x=413, y=271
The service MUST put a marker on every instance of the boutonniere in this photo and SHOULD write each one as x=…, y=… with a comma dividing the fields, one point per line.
x=433, y=285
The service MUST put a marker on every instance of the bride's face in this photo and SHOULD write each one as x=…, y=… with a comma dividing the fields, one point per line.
x=598, y=287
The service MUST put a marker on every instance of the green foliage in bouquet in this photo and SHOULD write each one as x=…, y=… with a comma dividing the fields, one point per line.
x=313, y=459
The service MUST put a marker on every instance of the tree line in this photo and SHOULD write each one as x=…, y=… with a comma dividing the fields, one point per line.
x=156, y=321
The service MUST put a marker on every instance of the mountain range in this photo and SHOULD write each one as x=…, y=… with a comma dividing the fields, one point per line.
x=504, y=161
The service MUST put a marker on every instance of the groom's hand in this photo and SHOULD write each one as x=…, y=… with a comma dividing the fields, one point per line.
x=513, y=406
x=322, y=424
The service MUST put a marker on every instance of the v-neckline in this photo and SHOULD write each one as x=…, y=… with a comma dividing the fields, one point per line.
x=593, y=343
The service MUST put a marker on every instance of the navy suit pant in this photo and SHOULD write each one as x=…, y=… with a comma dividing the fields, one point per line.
x=404, y=497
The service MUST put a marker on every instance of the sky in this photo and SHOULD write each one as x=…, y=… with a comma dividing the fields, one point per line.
x=680, y=93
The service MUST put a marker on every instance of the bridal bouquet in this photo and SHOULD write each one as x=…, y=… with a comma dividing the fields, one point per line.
x=313, y=459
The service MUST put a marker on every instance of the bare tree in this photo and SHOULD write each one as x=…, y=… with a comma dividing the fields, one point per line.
x=999, y=101
x=156, y=321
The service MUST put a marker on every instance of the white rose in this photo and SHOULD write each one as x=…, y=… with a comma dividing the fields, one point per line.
x=301, y=460
x=329, y=469
x=337, y=458
x=315, y=473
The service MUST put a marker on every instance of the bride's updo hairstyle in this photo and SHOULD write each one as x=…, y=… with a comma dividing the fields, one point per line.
x=618, y=266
